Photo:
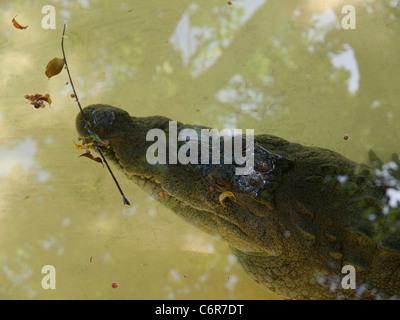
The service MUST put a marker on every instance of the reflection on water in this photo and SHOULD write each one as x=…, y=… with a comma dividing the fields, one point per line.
x=202, y=45
x=21, y=155
x=287, y=69
x=346, y=60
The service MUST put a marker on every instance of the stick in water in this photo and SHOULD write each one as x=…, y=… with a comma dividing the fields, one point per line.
x=98, y=149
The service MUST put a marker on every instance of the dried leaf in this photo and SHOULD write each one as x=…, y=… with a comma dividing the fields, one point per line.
x=224, y=195
x=38, y=99
x=17, y=25
x=89, y=156
x=45, y=98
x=83, y=147
x=54, y=67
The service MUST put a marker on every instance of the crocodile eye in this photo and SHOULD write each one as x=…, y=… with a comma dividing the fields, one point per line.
x=103, y=117
x=221, y=179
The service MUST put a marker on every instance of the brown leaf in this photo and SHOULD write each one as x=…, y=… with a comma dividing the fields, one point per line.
x=17, y=25
x=54, y=67
x=89, y=156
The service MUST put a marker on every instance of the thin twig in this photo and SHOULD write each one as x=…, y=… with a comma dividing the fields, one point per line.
x=98, y=149
x=69, y=75
x=124, y=199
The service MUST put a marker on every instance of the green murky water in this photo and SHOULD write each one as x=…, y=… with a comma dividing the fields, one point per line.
x=286, y=68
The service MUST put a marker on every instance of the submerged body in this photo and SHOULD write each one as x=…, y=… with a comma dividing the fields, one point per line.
x=300, y=216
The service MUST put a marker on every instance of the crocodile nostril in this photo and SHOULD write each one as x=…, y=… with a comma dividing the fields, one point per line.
x=103, y=117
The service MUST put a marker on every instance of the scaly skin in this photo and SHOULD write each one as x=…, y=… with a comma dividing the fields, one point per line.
x=299, y=217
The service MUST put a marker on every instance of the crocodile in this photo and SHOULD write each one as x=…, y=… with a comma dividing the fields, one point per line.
x=306, y=223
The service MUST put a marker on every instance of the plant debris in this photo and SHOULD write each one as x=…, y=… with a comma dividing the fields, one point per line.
x=17, y=25
x=54, y=67
x=37, y=100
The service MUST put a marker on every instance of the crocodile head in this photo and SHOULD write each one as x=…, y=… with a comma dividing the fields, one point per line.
x=298, y=217
x=193, y=190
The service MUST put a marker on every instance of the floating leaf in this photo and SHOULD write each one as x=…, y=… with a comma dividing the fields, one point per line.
x=54, y=67
x=17, y=25
x=89, y=156
x=226, y=194
x=46, y=98
x=83, y=147
x=38, y=99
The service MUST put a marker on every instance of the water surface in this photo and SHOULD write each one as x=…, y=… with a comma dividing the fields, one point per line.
x=286, y=68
